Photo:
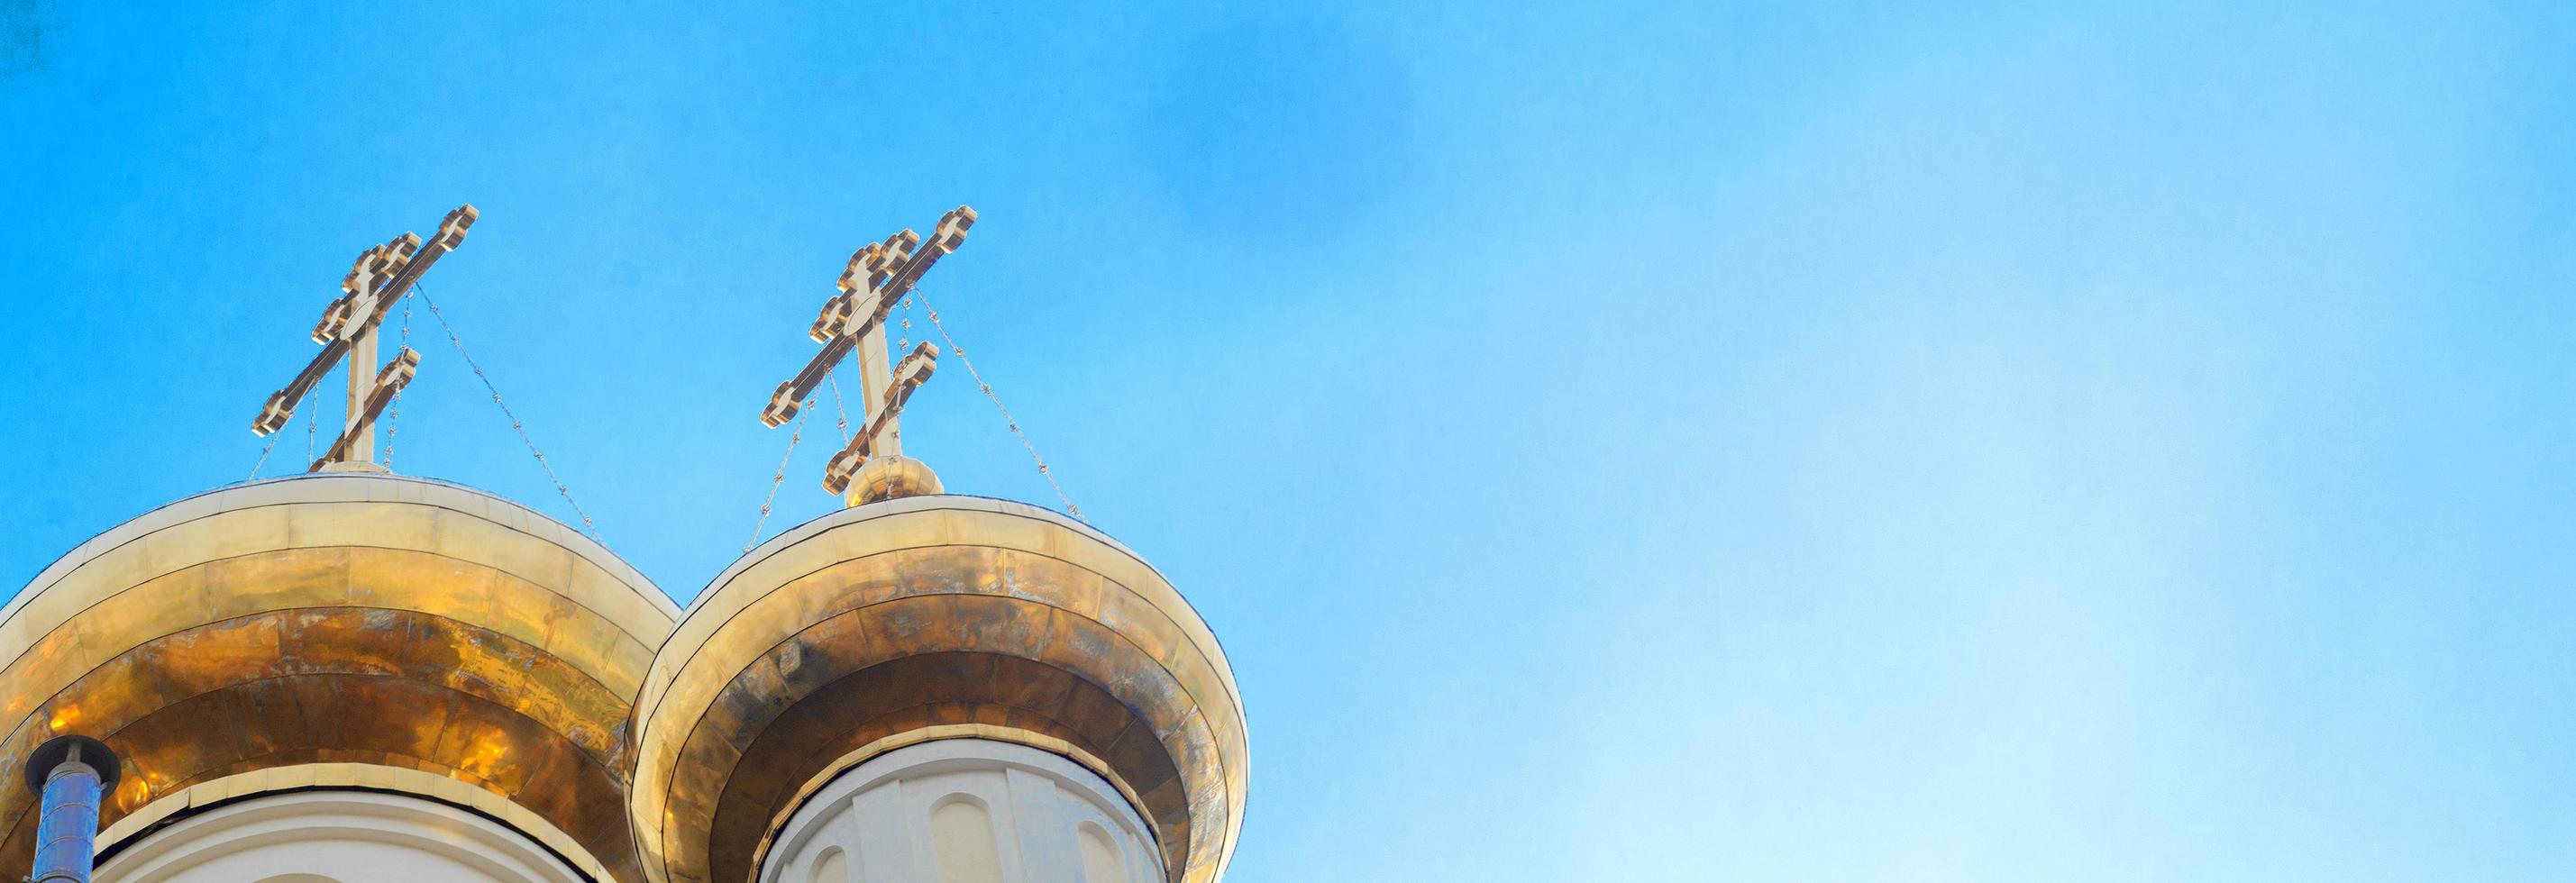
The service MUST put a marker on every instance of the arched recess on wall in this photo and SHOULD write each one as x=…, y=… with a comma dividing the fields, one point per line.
x=833, y=867
x=911, y=813
x=961, y=837
x=1100, y=860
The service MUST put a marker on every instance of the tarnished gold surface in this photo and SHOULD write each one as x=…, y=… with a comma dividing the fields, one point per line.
x=1014, y=699
x=353, y=619
x=411, y=635
x=1102, y=652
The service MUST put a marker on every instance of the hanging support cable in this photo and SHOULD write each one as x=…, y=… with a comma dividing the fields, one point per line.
x=393, y=416
x=776, y=480
x=515, y=426
x=271, y=446
x=1014, y=422
x=840, y=413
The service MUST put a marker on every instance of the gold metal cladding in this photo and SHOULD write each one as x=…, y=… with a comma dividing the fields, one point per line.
x=340, y=618
x=343, y=714
x=355, y=776
x=937, y=575
x=886, y=478
x=245, y=708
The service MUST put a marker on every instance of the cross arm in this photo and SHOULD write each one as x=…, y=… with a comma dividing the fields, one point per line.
x=412, y=259
x=868, y=268
x=281, y=404
x=790, y=395
x=380, y=277
x=891, y=268
x=451, y=234
x=944, y=238
x=332, y=331
x=876, y=278
x=364, y=284
x=908, y=376
x=395, y=375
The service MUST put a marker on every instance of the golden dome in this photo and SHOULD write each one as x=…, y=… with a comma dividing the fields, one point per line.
x=923, y=618
x=350, y=629
x=355, y=630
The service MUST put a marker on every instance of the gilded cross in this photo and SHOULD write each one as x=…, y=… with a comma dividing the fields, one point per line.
x=381, y=276
x=877, y=278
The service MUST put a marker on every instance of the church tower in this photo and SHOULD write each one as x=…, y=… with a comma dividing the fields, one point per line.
x=353, y=675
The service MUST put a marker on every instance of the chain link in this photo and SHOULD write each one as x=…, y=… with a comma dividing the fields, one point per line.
x=264, y=450
x=841, y=414
x=987, y=390
x=903, y=344
x=515, y=425
x=393, y=413
x=271, y=446
x=780, y=478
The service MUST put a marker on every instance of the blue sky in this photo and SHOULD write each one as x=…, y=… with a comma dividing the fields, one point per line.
x=1614, y=441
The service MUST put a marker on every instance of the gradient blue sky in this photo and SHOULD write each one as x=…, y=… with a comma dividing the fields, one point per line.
x=1715, y=442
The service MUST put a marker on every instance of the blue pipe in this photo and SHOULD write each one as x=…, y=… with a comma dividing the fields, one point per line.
x=73, y=773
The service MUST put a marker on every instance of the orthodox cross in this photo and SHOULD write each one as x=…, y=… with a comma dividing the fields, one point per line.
x=877, y=278
x=382, y=275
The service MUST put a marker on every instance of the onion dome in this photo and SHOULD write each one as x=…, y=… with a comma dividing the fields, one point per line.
x=341, y=630
x=925, y=618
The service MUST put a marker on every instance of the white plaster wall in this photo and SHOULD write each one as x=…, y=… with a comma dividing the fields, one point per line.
x=912, y=816
x=335, y=837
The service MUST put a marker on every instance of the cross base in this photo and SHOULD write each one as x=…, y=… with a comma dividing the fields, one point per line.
x=893, y=476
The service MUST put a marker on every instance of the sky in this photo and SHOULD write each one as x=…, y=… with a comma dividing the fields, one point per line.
x=1613, y=441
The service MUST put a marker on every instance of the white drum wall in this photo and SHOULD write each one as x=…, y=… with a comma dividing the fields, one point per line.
x=335, y=837
x=964, y=811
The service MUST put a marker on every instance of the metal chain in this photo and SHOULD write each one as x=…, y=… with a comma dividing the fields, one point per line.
x=265, y=449
x=308, y=434
x=393, y=415
x=263, y=458
x=515, y=425
x=903, y=344
x=842, y=414
x=987, y=389
x=781, y=478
